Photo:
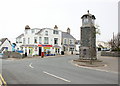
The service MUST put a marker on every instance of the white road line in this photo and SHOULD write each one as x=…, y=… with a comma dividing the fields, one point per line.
x=30, y=65
x=56, y=76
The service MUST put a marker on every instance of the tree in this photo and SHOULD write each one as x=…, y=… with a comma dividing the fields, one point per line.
x=115, y=42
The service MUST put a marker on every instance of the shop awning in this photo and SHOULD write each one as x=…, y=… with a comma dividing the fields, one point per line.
x=71, y=46
x=56, y=46
x=28, y=45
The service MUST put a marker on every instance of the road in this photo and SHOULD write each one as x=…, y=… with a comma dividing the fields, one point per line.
x=53, y=70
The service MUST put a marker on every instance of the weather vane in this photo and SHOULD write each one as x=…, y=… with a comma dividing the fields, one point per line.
x=88, y=11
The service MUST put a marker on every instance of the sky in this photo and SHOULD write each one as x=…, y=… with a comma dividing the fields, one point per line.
x=16, y=14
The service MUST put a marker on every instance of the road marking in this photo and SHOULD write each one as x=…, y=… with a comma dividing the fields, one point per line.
x=2, y=81
x=56, y=76
x=30, y=65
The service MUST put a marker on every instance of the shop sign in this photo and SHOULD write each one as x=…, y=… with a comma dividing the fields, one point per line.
x=44, y=45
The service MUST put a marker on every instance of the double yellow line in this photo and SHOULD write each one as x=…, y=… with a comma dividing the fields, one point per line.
x=2, y=81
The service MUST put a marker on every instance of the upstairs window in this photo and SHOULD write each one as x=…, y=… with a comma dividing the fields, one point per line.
x=26, y=31
x=55, y=32
x=46, y=33
x=71, y=41
x=35, y=39
x=40, y=40
x=46, y=40
x=55, y=40
x=65, y=41
x=28, y=40
x=32, y=31
x=23, y=40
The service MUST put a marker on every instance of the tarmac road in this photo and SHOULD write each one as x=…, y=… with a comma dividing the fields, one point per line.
x=53, y=70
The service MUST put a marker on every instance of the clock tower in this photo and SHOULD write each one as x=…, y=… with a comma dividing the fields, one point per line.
x=88, y=37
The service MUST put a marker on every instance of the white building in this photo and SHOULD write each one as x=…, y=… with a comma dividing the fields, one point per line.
x=103, y=45
x=5, y=45
x=36, y=40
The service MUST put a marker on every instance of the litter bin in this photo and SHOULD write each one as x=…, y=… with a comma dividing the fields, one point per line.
x=42, y=54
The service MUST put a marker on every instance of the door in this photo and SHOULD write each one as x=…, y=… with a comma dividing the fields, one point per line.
x=40, y=51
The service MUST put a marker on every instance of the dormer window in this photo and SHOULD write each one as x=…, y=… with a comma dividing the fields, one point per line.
x=26, y=31
x=46, y=33
x=32, y=31
x=55, y=32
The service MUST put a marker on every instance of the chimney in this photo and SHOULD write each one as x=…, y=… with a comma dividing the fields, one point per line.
x=27, y=27
x=55, y=27
x=68, y=30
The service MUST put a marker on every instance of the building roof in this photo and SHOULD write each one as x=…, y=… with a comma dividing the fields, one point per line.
x=3, y=40
x=88, y=14
x=20, y=35
x=39, y=31
x=67, y=35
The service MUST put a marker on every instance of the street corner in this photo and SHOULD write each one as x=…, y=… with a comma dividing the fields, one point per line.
x=2, y=81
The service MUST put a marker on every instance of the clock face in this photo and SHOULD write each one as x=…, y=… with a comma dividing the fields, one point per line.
x=93, y=21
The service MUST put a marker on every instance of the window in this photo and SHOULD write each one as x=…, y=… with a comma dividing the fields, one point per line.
x=46, y=40
x=65, y=41
x=55, y=32
x=23, y=40
x=40, y=40
x=32, y=31
x=28, y=40
x=20, y=41
x=26, y=31
x=46, y=33
x=55, y=40
x=35, y=39
x=71, y=41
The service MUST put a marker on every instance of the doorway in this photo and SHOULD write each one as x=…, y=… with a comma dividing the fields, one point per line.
x=40, y=49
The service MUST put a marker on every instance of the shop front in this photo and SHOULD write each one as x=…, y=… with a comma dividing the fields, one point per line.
x=57, y=49
x=47, y=49
x=29, y=50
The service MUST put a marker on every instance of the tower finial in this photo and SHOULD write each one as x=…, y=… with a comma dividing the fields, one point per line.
x=88, y=11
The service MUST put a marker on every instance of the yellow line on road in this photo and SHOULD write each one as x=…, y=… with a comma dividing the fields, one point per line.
x=2, y=80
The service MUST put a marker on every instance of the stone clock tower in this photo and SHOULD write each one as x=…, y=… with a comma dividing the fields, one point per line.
x=88, y=37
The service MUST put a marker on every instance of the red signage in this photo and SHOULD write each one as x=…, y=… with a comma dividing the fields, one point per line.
x=44, y=45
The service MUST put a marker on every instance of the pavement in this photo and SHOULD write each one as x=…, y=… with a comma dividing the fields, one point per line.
x=105, y=63
x=53, y=70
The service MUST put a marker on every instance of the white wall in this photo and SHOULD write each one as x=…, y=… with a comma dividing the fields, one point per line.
x=6, y=44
